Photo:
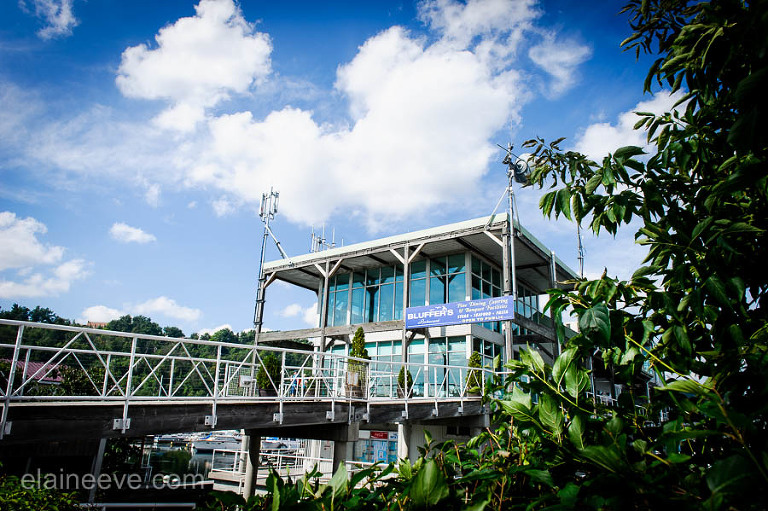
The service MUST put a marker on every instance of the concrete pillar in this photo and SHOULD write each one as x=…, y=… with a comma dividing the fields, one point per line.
x=342, y=451
x=403, y=440
x=98, y=459
x=252, y=448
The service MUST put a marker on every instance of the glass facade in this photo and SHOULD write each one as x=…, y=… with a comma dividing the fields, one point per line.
x=376, y=294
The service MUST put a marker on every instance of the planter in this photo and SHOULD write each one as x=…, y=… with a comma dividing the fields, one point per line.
x=402, y=394
x=355, y=391
x=267, y=392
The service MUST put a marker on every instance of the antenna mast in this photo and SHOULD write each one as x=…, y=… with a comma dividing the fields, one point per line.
x=267, y=212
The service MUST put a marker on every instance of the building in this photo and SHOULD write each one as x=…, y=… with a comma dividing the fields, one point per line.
x=376, y=284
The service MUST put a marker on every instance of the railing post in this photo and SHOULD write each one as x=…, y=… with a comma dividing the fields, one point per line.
x=216, y=387
x=129, y=385
x=11, y=376
x=107, y=373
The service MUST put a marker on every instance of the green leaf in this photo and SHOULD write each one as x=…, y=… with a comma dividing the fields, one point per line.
x=562, y=364
x=605, y=456
x=729, y=475
x=564, y=203
x=339, y=481
x=595, y=322
x=429, y=486
x=519, y=406
x=550, y=414
x=576, y=381
x=540, y=476
x=688, y=386
x=576, y=431
x=533, y=360
x=593, y=183
x=626, y=152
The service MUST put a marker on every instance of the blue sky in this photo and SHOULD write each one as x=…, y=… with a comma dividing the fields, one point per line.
x=136, y=138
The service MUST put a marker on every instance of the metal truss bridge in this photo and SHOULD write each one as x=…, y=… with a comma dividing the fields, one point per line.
x=62, y=382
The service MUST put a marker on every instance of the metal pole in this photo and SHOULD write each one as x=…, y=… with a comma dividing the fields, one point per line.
x=11, y=376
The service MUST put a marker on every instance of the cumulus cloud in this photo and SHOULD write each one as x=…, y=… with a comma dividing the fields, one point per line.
x=599, y=139
x=211, y=331
x=167, y=307
x=19, y=243
x=99, y=314
x=57, y=14
x=38, y=284
x=560, y=58
x=124, y=233
x=40, y=267
x=307, y=314
x=197, y=62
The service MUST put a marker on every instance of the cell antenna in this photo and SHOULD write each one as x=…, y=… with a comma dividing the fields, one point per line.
x=267, y=213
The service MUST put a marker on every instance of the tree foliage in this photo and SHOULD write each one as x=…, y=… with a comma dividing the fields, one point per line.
x=694, y=313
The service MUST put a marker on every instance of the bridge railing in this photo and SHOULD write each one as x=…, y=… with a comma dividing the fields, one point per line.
x=45, y=362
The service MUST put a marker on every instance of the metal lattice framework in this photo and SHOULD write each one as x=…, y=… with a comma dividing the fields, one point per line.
x=44, y=363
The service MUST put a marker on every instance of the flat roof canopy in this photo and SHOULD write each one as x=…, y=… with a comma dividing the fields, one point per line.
x=482, y=236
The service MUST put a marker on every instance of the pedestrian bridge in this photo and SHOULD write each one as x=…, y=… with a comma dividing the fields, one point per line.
x=67, y=382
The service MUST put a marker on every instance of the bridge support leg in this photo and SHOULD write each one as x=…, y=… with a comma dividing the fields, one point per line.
x=98, y=459
x=403, y=440
x=342, y=451
x=252, y=450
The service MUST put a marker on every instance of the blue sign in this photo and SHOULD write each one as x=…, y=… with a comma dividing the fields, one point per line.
x=458, y=313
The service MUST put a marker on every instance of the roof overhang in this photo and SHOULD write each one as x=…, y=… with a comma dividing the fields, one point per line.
x=481, y=236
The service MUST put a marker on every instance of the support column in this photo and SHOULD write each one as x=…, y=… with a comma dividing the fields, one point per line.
x=98, y=459
x=507, y=276
x=406, y=298
x=553, y=284
x=342, y=451
x=403, y=440
x=324, y=304
x=252, y=448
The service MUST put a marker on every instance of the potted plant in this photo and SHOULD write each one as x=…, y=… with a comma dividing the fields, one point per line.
x=404, y=383
x=356, y=369
x=268, y=375
x=474, y=375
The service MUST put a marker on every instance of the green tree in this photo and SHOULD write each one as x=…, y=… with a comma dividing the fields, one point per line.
x=172, y=331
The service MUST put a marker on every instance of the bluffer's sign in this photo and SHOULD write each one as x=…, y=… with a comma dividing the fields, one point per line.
x=473, y=311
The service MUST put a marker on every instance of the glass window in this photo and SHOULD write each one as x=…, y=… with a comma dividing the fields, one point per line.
x=358, y=279
x=437, y=266
x=418, y=292
x=340, y=308
x=398, y=301
x=371, y=304
x=373, y=277
x=386, y=302
x=342, y=281
x=329, y=311
x=436, y=290
x=419, y=269
x=456, y=263
x=358, y=305
x=456, y=288
x=387, y=274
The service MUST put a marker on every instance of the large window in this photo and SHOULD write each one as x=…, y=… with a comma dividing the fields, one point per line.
x=486, y=283
x=369, y=296
x=447, y=279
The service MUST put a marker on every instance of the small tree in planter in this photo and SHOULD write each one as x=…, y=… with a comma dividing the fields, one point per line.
x=474, y=375
x=357, y=370
x=268, y=375
x=404, y=383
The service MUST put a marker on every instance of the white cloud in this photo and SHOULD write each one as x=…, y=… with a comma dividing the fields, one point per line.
x=211, y=331
x=99, y=314
x=57, y=14
x=38, y=284
x=560, y=58
x=599, y=139
x=422, y=115
x=307, y=314
x=198, y=62
x=168, y=307
x=21, y=249
x=152, y=195
x=127, y=234
x=19, y=246
x=222, y=207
